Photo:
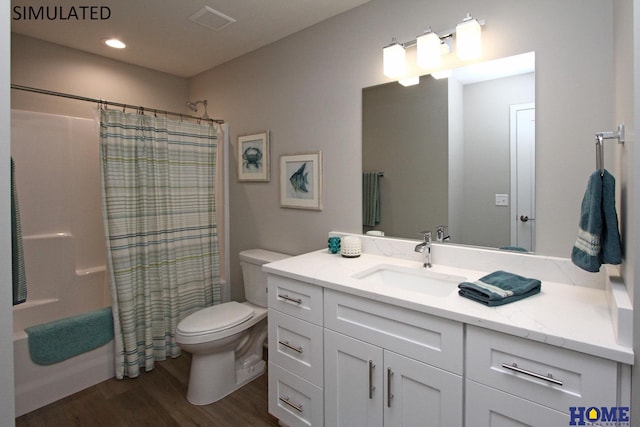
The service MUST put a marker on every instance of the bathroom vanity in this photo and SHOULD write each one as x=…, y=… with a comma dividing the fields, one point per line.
x=379, y=340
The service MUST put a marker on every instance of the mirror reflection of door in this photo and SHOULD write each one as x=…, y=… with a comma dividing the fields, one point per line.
x=523, y=140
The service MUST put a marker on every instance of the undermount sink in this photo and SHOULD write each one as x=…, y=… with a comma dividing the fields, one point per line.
x=411, y=279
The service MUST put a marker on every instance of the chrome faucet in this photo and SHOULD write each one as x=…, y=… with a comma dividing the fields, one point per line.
x=440, y=236
x=425, y=249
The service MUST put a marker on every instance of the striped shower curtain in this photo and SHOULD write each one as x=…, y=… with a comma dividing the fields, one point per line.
x=159, y=213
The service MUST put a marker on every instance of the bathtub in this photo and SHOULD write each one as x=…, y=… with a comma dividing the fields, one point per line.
x=57, y=290
x=59, y=193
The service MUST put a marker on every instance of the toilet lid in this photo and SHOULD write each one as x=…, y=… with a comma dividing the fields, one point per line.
x=215, y=318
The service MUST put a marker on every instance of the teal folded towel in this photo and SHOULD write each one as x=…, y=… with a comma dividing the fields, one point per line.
x=62, y=339
x=598, y=240
x=499, y=287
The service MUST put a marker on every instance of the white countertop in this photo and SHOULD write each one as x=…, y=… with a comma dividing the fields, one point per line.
x=564, y=315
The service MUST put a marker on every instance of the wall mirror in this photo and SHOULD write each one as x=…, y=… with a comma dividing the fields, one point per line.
x=457, y=152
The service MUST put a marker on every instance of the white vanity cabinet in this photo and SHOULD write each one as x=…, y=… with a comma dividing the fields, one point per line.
x=295, y=352
x=368, y=382
x=511, y=380
x=342, y=358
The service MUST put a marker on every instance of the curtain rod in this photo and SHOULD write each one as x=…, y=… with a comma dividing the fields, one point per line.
x=104, y=102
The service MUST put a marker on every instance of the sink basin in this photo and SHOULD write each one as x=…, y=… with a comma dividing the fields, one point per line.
x=411, y=279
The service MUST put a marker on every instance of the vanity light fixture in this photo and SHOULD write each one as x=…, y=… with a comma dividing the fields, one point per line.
x=394, y=59
x=430, y=47
x=468, y=39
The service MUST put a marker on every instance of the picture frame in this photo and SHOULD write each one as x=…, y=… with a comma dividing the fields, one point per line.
x=301, y=181
x=253, y=157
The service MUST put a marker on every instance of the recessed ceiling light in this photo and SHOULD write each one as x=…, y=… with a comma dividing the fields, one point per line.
x=115, y=43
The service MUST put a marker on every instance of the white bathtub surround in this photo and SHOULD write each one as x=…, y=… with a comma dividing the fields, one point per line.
x=572, y=311
x=57, y=166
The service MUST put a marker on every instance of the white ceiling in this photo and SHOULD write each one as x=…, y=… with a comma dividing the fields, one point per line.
x=159, y=34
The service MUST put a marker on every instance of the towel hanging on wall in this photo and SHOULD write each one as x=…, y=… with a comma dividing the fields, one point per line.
x=598, y=239
x=371, y=198
x=17, y=253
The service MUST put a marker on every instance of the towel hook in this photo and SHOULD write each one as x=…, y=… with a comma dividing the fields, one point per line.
x=600, y=137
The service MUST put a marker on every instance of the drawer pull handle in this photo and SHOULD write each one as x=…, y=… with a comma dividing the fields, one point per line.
x=389, y=394
x=287, y=400
x=289, y=346
x=371, y=386
x=548, y=378
x=288, y=298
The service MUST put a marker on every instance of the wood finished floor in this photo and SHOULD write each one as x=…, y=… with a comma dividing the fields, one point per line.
x=156, y=398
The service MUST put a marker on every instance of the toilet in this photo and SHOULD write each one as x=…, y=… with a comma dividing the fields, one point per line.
x=226, y=340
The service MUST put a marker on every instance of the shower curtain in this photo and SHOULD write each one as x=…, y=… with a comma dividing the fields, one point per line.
x=158, y=180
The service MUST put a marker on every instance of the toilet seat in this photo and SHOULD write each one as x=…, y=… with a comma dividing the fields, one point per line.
x=215, y=319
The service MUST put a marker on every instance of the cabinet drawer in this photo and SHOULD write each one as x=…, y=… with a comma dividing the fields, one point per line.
x=293, y=400
x=296, y=298
x=423, y=337
x=296, y=345
x=539, y=372
x=487, y=407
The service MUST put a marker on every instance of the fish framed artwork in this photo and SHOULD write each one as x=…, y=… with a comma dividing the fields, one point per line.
x=301, y=181
x=253, y=157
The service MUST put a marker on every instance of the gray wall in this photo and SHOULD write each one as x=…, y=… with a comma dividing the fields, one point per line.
x=307, y=90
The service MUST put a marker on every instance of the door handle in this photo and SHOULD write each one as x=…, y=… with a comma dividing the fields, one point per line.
x=371, y=386
x=297, y=349
x=288, y=298
x=525, y=218
x=549, y=378
x=389, y=394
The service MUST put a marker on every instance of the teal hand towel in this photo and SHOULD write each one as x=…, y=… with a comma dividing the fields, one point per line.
x=598, y=240
x=371, y=208
x=499, y=287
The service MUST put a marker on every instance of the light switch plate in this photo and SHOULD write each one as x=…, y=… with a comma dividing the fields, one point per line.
x=502, y=200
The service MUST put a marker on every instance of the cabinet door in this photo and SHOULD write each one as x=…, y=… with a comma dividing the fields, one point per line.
x=488, y=407
x=417, y=394
x=353, y=387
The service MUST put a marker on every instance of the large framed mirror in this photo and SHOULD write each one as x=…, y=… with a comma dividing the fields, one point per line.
x=457, y=152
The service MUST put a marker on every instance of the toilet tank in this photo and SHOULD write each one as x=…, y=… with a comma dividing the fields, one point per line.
x=255, y=280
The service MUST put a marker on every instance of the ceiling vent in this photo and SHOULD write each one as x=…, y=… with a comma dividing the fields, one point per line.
x=211, y=18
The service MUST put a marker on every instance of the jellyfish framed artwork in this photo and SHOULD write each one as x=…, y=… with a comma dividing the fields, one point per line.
x=253, y=157
x=301, y=181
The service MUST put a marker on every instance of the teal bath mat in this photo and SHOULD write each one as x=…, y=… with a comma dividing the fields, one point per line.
x=61, y=339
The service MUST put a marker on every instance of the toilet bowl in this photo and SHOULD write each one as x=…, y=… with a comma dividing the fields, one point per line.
x=226, y=340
